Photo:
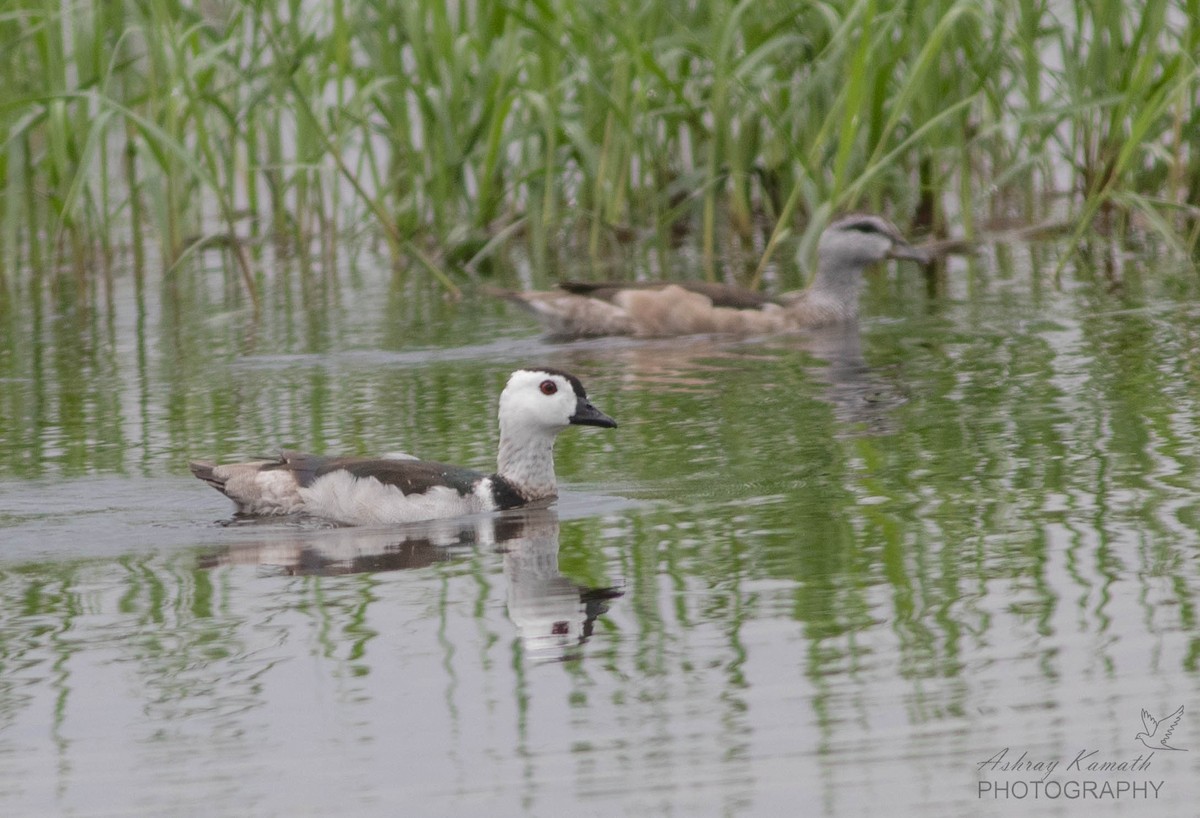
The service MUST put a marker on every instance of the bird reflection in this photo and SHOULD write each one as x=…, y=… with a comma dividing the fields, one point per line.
x=551, y=612
x=553, y=615
x=862, y=396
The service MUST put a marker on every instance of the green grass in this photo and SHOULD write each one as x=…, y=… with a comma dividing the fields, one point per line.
x=147, y=131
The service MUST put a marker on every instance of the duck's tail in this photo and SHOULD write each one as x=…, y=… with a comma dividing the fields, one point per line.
x=206, y=471
x=567, y=315
x=512, y=296
x=262, y=487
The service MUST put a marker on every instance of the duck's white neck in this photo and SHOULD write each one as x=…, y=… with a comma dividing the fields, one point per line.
x=833, y=294
x=526, y=460
x=838, y=277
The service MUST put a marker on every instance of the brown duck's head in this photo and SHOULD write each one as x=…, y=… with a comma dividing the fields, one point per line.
x=864, y=239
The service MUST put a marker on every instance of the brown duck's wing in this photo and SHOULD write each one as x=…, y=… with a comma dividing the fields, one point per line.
x=721, y=295
x=410, y=476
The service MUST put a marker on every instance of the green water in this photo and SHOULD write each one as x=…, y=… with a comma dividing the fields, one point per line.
x=805, y=576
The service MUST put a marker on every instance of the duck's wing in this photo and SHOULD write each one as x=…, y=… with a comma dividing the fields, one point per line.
x=410, y=476
x=296, y=483
x=721, y=295
x=647, y=309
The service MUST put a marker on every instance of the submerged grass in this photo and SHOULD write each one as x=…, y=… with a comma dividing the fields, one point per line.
x=569, y=129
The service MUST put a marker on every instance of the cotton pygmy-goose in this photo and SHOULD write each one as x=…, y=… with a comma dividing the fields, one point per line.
x=535, y=406
x=660, y=309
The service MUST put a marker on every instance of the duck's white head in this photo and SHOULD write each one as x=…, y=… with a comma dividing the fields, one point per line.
x=547, y=400
x=535, y=406
x=856, y=241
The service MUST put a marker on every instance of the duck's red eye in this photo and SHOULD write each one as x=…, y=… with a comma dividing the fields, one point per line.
x=549, y=387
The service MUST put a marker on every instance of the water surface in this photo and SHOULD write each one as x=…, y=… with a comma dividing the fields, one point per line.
x=804, y=576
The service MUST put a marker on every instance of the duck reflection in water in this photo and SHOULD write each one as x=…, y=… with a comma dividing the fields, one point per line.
x=554, y=616
x=863, y=396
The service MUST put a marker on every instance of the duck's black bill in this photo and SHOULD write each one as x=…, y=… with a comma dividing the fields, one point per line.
x=588, y=415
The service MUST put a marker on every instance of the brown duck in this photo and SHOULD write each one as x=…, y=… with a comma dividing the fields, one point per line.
x=663, y=309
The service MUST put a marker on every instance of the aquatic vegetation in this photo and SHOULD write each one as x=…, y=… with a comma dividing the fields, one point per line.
x=568, y=129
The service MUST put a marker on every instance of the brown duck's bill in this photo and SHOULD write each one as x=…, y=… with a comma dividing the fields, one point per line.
x=907, y=252
x=588, y=415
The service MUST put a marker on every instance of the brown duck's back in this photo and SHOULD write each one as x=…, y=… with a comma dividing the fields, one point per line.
x=721, y=295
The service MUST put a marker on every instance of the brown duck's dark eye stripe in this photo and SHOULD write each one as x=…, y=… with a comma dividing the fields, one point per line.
x=871, y=225
x=863, y=227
